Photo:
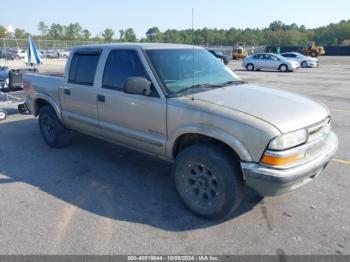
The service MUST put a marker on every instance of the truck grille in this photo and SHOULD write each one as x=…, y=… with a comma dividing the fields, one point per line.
x=318, y=134
x=319, y=130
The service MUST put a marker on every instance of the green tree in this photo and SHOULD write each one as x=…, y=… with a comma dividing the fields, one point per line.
x=73, y=31
x=277, y=33
x=86, y=34
x=276, y=25
x=43, y=28
x=153, y=33
x=56, y=31
x=21, y=34
x=108, y=34
x=130, y=35
x=121, y=34
x=2, y=31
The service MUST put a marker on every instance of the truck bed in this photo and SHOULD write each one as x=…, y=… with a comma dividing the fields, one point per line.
x=35, y=84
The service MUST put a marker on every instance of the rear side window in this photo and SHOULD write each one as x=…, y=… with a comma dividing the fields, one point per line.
x=120, y=65
x=83, y=68
x=267, y=57
x=259, y=56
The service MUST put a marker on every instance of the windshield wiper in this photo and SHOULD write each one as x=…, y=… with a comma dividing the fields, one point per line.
x=232, y=82
x=205, y=85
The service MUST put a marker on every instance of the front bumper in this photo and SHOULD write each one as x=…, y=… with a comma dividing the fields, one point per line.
x=270, y=181
x=313, y=64
x=295, y=66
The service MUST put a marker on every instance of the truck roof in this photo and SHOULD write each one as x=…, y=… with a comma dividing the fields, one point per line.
x=142, y=45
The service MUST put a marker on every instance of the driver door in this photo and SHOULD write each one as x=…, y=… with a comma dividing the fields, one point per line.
x=271, y=62
x=138, y=121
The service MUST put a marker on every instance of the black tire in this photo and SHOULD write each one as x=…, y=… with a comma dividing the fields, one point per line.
x=3, y=115
x=314, y=53
x=304, y=64
x=283, y=68
x=208, y=180
x=54, y=133
x=250, y=67
x=22, y=108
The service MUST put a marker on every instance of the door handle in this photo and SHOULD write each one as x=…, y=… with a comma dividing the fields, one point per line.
x=101, y=98
x=67, y=92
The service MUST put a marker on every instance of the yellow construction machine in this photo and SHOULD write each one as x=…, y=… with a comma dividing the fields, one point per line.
x=312, y=50
x=239, y=52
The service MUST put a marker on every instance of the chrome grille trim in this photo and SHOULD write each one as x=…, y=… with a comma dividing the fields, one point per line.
x=319, y=130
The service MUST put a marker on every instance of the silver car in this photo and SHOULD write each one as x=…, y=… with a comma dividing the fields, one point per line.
x=305, y=61
x=269, y=61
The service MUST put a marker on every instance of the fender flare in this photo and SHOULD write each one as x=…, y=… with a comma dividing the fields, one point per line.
x=50, y=100
x=212, y=132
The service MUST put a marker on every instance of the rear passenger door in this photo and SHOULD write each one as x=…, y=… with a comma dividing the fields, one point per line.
x=78, y=96
x=135, y=120
x=259, y=61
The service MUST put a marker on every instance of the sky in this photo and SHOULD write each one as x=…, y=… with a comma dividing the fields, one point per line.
x=96, y=15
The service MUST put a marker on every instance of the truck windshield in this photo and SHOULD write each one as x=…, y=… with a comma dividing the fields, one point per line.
x=181, y=69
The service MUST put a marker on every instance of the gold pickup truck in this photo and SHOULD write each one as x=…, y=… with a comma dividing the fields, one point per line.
x=181, y=104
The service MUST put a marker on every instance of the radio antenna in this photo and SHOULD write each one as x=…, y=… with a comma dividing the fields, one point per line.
x=193, y=74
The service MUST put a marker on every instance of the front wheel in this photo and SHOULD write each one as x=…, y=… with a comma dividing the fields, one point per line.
x=208, y=180
x=55, y=134
x=304, y=64
x=3, y=115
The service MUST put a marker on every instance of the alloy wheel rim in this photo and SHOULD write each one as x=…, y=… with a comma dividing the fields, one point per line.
x=48, y=127
x=201, y=184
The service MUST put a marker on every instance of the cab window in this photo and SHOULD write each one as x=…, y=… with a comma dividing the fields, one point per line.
x=83, y=68
x=120, y=65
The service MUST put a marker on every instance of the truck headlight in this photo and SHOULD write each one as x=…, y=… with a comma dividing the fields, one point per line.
x=278, y=154
x=289, y=140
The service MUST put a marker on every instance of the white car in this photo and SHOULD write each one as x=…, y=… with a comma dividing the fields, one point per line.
x=305, y=61
x=269, y=61
x=21, y=53
x=64, y=54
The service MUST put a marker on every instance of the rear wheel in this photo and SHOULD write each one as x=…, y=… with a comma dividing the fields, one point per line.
x=55, y=134
x=283, y=68
x=250, y=67
x=208, y=180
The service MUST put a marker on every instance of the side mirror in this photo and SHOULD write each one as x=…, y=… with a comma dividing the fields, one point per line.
x=137, y=85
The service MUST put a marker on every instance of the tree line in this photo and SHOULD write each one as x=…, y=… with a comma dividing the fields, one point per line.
x=277, y=33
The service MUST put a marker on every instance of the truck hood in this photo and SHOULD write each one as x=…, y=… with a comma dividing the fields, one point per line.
x=284, y=110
